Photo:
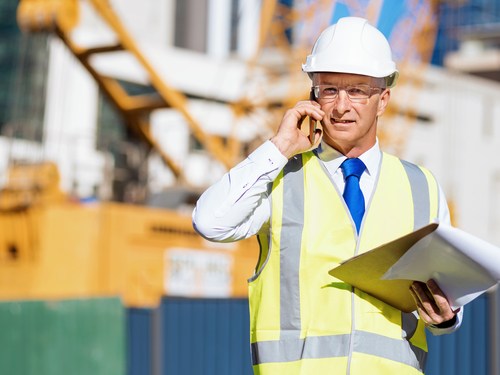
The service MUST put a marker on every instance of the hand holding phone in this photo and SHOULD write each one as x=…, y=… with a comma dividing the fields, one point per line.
x=291, y=138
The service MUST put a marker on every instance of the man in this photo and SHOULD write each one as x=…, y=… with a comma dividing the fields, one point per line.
x=314, y=209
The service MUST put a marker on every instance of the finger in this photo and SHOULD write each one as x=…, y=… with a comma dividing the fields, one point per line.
x=299, y=123
x=441, y=300
x=421, y=310
x=293, y=118
x=315, y=103
x=432, y=312
x=296, y=116
x=438, y=295
x=318, y=114
x=425, y=298
x=289, y=138
x=317, y=137
x=422, y=292
x=315, y=113
x=309, y=108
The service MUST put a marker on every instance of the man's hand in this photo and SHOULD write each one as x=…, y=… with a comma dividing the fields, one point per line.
x=432, y=304
x=289, y=139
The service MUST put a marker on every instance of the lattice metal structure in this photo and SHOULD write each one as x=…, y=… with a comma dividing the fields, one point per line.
x=275, y=80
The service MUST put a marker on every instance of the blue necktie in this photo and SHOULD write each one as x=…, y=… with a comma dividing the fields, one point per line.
x=353, y=196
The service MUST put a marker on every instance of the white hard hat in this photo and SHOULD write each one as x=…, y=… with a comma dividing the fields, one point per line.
x=353, y=46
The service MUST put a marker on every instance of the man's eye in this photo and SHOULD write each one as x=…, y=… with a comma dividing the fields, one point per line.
x=358, y=91
x=330, y=91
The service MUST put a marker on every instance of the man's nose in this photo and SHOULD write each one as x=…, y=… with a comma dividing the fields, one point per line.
x=343, y=102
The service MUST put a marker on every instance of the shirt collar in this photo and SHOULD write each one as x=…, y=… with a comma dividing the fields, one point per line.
x=333, y=158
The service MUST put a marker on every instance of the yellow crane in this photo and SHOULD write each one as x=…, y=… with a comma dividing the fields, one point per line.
x=55, y=248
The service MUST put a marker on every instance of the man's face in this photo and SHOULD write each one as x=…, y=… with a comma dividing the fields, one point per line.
x=351, y=126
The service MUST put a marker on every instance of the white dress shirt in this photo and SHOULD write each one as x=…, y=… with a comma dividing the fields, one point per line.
x=238, y=207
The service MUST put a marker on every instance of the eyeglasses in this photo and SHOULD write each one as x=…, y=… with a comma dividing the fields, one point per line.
x=354, y=92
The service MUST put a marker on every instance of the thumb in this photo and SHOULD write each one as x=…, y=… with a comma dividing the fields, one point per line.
x=317, y=139
x=317, y=136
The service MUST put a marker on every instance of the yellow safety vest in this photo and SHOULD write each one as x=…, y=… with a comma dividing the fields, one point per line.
x=303, y=321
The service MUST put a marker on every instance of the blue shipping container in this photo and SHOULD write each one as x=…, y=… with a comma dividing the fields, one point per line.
x=211, y=336
x=466, y=351
x=190, y=336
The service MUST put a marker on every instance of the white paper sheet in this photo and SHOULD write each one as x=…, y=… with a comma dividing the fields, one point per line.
x=464, y=266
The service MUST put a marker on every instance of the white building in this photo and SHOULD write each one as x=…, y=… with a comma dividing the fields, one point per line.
x=460, y=143
x=456, y=133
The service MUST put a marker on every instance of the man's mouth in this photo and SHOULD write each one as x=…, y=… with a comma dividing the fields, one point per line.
x=342, y=121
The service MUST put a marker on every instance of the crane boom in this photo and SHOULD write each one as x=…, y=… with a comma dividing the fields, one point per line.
x=60, y=16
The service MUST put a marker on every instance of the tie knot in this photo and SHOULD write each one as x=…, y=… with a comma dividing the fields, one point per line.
x=353, y=167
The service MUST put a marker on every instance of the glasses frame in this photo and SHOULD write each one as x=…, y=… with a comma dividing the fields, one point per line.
x=316, y=90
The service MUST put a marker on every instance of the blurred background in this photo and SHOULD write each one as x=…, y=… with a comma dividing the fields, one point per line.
x=115, y=115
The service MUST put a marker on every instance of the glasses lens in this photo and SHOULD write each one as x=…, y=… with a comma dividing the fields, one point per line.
x=358, y=91
x=354, y=92
x=327, y=92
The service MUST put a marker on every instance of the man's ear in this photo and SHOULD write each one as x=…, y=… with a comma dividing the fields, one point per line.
x=385, y=95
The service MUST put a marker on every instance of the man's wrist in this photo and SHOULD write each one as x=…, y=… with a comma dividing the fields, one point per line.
x=285, y=148
x=448, y=324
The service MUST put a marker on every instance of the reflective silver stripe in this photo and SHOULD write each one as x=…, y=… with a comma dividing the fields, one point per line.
x=420, y=194
x=401, y=351
x=409, y=323
x=268, y=238
x=292, y=226
x=438, y=198
x=312, y=347
x=315, y=347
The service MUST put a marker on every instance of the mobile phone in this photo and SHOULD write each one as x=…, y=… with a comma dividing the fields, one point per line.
x=312, y=121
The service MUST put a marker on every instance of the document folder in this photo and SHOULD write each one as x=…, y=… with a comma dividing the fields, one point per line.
x=463, y=266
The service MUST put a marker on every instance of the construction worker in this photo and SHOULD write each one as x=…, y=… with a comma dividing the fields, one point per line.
x=314, y=209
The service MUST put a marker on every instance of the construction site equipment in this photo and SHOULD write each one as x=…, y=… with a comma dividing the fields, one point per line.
x=59, y=249
x=69, y=250
x=61, y=16
x=29, y=185
x=286, y=32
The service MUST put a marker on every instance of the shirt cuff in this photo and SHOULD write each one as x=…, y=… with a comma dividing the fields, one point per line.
x=436, y=330
x=269, y=158
x=261, y=167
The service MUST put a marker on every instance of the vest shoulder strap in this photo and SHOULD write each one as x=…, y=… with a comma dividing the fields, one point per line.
x=425, y=194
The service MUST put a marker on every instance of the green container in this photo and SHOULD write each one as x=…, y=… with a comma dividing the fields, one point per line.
x=77, y=337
